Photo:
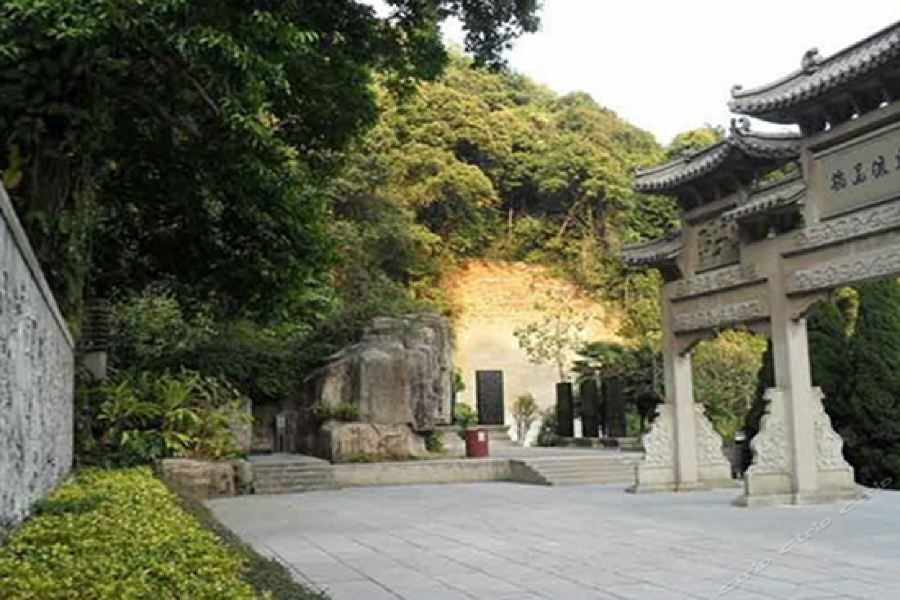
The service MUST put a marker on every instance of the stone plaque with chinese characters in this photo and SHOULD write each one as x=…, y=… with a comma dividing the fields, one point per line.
x=858, y=173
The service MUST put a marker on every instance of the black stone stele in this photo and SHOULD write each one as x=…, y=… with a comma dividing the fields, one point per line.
x=565, y=413
x=588, y=400
x=489, y=397
x=614, y=408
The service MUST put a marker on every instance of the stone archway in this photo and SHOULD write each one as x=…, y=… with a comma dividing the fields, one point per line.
x=760, y=254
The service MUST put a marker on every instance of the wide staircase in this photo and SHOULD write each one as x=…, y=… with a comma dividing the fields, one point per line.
x=577, y=470
x=290, y=473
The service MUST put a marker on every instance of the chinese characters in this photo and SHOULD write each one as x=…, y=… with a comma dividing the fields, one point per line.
x=862, y=172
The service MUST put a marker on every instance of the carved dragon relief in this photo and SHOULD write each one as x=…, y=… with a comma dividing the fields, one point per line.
x=726, y=277
x=856, y=224
x=769, y=446
x=829, y=445
x=709, y=442
x=659, y=442
x=721, y=315
x=846, y=270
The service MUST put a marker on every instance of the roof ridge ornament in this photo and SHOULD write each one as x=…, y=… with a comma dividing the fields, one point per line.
x=811, y=61
x=798, y=97
x=740, y=125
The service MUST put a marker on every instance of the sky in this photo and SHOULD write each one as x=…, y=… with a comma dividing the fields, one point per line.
x=668, y=66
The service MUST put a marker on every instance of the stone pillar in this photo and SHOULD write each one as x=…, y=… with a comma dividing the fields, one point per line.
x=680, y=380
x=682, y=450
x=797, y=456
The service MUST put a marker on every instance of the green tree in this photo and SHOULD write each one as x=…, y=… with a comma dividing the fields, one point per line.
x=524, y=411
x=693, y=140
x=869, y=418
x=725, y=376
x=557, y=335
x=133, y=130
x=827, y=332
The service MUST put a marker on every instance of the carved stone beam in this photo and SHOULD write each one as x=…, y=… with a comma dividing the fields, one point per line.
x=799, y=306
x=685, y=343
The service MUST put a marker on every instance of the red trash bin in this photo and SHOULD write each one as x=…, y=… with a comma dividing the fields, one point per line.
x=476, y=443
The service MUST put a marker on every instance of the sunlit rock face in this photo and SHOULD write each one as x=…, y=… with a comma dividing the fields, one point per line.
x=493, y=298
x=36, y=379
x=399, y=374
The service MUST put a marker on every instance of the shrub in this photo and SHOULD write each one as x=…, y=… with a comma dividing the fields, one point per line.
x=134, y=543
x=525, y=411
x=464, y=416
x=548, y=432
x=346, y=412
x=434, y=441
x=136, y=417
x=151, y=331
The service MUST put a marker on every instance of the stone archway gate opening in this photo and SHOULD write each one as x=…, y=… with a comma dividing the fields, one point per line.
x=761, y=254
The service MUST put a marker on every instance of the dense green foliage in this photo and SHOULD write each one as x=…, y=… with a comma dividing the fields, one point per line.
x=133, y=130
x=118, y=534
x=491, y=164
x=725, y=376
x=828, y=350
x=138, y=416
x=868, y=415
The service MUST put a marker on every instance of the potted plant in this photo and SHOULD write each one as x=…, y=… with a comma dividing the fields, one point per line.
x=476, y=437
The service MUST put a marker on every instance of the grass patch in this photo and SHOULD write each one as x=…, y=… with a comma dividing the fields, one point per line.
x=122, y=534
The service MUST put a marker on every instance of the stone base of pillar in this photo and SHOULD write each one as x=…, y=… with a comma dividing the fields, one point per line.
x=769, y=480
x=657, y=472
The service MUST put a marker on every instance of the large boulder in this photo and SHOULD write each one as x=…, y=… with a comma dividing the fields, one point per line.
x=201, y=479
x=348, y=441
x=400, y=373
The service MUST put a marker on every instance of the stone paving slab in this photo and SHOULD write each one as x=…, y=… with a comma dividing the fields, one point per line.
x=505, y=540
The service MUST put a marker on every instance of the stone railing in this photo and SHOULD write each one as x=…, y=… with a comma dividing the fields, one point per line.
x=36, y=378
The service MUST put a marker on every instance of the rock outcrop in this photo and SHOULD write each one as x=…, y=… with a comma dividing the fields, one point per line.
x=399, y=373
x=399, y=376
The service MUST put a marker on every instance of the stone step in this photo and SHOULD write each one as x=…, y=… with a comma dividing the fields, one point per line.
x=288, y=489
x=562, y=469
x=581, y=471
x=291, y=474
x=290, y=470
x=294, y=480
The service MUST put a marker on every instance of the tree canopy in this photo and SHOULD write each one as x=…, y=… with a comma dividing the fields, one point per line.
x=189, y=142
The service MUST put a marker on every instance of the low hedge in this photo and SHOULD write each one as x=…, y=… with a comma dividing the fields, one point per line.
x=119, y=534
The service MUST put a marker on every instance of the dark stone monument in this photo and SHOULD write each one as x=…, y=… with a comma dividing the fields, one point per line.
x=590, y=410
x=489, y=397
x=564, y=410
x=614, y=408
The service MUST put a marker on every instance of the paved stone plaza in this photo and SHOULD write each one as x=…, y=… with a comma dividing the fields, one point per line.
x=504, y=540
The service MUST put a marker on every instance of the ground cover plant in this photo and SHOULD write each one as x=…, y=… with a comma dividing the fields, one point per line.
x=122, y=534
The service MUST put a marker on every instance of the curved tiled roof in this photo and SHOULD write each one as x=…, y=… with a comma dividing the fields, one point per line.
x=766, y=146
x=771, y=198
x=662, y=249
x=819, y=76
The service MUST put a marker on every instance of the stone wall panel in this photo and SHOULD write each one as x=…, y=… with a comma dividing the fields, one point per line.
x=36, y=378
